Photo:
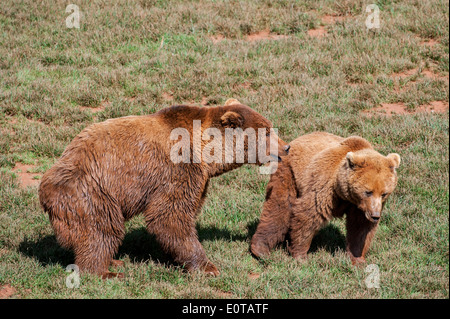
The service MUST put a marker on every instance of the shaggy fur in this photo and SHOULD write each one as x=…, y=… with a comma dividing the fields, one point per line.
x=323, y=177
x=119, y=168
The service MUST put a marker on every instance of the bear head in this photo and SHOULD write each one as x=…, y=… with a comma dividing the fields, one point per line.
x=367, y=179
x=243, y=122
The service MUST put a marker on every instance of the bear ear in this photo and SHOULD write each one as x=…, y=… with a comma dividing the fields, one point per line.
x=350, y=159
x=395, y=159
x=232, y=102
x=232, y=119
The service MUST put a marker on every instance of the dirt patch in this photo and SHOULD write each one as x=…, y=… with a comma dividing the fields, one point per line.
x=252, y=37
x=435, y=107
x=412, y=72
x=429, y=42
x=412, y=77
x=326, y=20
x=100, y=108
x=9, y=131
x=318, y=33
x=167, y=96
x=217, y=38
x=390, y=109
x=253, y=276
x=12, y=120
x=7, y=291
x=25, y=178
x=3, y=251
x=244, y=86
x=92, y=109
x=429, y=74
x=204, y=101
x=264, y=35
x=224, y=294
x=353, y=84
x=332, y=19
x=405, y=74
x=433, y=75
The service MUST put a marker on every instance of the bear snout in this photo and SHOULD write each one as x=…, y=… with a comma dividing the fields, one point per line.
x=285, y=152
x=283, y=148
x=375, y=216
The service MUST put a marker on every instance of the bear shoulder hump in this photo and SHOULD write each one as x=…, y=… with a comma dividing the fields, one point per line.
x=354, y=143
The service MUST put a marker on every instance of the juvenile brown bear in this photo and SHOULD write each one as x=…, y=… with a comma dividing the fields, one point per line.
x=122, y=167
x=323, y=177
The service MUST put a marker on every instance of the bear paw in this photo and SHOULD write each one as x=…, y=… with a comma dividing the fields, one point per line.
x=358, y=261
x=117, y=263
x=259, y=249
x=210, y=269
x=109, y=275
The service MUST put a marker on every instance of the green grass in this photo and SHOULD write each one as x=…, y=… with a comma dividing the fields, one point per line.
x=127, y=55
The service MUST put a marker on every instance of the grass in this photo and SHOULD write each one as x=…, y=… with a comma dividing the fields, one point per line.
x=127, y=56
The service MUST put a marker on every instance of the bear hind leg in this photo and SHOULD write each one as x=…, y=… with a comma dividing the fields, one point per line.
x=95, y=254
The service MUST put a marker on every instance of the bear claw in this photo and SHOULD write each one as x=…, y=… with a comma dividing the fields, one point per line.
x=210, y=269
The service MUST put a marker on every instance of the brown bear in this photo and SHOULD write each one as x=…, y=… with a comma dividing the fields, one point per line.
x=323, y=177
x=122, y=167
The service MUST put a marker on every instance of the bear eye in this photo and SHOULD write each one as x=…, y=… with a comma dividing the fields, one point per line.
x=384, y=195
x=368, y=194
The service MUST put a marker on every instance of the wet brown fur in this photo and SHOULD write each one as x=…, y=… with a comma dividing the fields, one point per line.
x=119, y=168
x=323, y=177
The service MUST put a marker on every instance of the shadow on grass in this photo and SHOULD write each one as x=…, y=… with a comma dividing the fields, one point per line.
x=47, y=251
x=329, y=238
x=138, y=245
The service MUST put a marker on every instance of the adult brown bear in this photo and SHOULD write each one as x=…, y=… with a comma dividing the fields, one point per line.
x=122, y=167
x=326, y=176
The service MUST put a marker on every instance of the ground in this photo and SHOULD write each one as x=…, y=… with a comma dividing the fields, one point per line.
x=306, y=66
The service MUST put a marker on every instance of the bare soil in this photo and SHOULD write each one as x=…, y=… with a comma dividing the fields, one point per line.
x=390, y=109
x=26, y=179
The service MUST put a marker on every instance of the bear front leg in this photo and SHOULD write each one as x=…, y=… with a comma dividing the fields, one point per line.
x=175, y=231
x=181, y=242
x=360, y=232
